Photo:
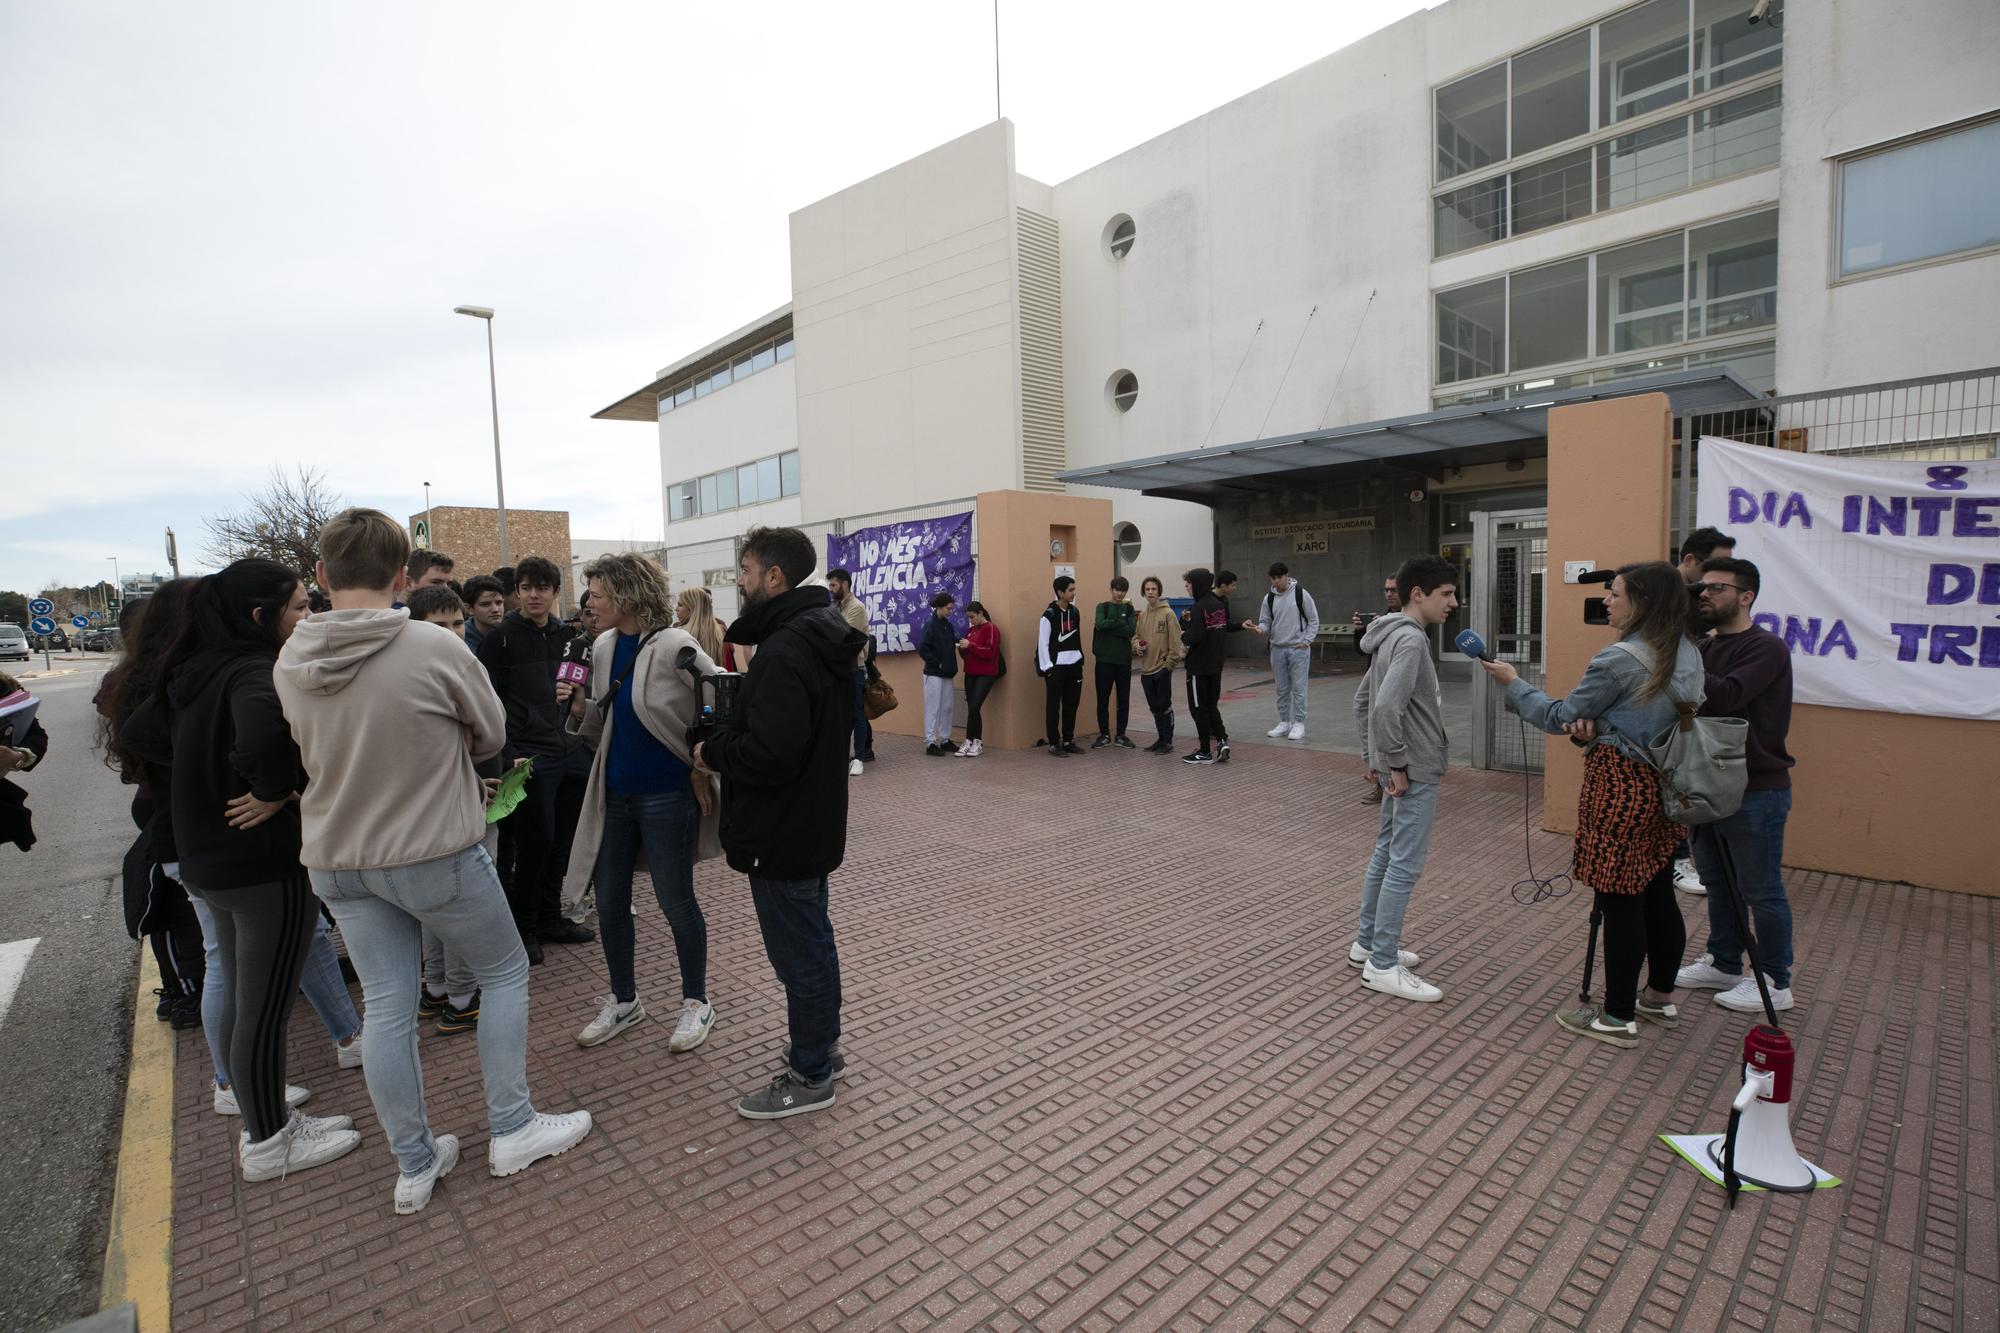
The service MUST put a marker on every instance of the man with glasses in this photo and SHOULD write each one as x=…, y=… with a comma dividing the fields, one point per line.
x=1701, y=546
x=1749, y=675
x=1361, y=621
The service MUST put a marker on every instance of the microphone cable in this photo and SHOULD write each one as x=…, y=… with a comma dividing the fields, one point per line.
x=1535, y=889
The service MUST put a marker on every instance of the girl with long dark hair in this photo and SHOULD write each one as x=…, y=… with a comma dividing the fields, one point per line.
x=1624, y=840
x=234, y=770
x=981, y=650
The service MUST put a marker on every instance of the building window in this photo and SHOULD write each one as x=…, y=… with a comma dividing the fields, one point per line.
x=1929, y=199
x=1472, y=122
x=741, y=367
x=1550, y=97
x=1127, y=537
x=1119, y=233
x=1709, y=282
x=1728, y=48
x=1642, y=62
x=760, y=482
x=1123, y=390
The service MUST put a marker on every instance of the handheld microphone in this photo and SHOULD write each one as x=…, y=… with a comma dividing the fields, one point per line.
x=1472, y=645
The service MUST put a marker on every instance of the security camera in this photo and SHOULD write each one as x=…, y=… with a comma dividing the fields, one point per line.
x=1760, y=11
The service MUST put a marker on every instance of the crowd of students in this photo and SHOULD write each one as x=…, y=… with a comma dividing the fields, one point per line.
x=295, y=765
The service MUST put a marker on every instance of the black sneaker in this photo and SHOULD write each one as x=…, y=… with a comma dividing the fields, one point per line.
x=1123, y=743
x=1057, y=752
x=1222, y=753
x=1071, y=747
x=185, y=1015
x=1101, y=741
x=933, y=751
x=429, y=1006
x=532, y=943
x=1160, y=747
x=564, y=931
x=454, y=1019
x=1198, y=757
x=164, y=1010
x=948, y=745
x=839, y=1060
x=786, y=1095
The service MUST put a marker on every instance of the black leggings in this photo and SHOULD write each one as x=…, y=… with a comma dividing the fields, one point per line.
x=261, y=936
x=976, y=690
x=175, y=934
x=1641, y=927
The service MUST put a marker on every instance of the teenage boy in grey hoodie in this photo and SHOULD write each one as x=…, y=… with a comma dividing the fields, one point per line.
x=390, y=716
x=1402, y=734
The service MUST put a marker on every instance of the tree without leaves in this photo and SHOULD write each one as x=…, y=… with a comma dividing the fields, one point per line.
x=282, y=522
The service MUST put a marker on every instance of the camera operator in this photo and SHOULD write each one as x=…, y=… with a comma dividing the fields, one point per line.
x=783, y=761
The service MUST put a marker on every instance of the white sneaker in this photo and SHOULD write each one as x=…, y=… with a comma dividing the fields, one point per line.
x=225, y=1100
x=413, y=1192
x=1283, y=728
x=1686, y=878
x=1298, y=732
x=1359, y=956
x=611, y=1020
x=315, y=1124
x=1400, y=982
x=348, y=1053
x=854, y=768
x=1703, y=974
x=544, y=1136
x=1744, y=999
x=697, y=1016
x=299, y=1145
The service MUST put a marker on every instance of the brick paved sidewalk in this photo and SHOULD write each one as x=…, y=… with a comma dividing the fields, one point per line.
x=1109, y=1068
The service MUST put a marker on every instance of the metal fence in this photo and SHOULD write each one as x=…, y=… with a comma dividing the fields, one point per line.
x=1942, y=418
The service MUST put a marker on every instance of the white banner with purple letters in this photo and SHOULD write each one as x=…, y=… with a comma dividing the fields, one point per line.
x=1882, y=576
x=899, y=567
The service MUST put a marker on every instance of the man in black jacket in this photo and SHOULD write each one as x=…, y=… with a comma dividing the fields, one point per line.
x=783, y=761
x=1205, y=629
x=521, y=656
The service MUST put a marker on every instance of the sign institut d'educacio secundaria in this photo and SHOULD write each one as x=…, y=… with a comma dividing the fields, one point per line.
x=1882, y=576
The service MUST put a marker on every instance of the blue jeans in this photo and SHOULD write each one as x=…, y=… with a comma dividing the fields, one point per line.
x=864, y=731
x=1401, y=843
x=322, y=983
x=382, y=914
x=798, y=936
x=1754, y=840
x=1291, y=666
x=669, y=825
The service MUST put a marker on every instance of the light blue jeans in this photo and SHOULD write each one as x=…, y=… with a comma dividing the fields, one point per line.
x=1291, y=666
x=1401, y=843
x=382, y=915
x=322, y=984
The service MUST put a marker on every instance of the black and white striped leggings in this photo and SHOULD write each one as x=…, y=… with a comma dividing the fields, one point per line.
x=261, y=933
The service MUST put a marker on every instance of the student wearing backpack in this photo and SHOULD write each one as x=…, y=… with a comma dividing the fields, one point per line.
x=1748, y=675
x=1624, y=840
x=1290, y=619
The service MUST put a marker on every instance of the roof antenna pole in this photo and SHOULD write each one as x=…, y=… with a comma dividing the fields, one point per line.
x=1350, y=356
x=996, y=60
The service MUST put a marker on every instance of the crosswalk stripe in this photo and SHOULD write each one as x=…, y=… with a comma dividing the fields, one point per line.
x=13, y=964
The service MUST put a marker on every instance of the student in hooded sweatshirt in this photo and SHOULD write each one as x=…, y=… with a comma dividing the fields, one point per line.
x=938, y=646
x=1205, y=630
x=1401, y=713
x=1159, y=642
x=391, y=716
x=1059, y=658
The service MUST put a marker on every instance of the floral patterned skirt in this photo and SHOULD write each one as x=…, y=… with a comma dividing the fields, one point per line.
x=1623, y=837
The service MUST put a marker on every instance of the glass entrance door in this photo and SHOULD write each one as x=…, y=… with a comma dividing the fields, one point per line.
x=1510, y=550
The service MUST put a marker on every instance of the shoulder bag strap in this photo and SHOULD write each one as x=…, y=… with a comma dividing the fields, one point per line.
x=611, y=690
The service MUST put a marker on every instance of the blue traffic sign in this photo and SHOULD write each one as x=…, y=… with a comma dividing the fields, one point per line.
x=42, y=625
x=81, y=622
x=41, y=606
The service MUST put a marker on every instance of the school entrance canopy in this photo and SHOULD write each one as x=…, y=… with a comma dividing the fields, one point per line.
x=1427, y=444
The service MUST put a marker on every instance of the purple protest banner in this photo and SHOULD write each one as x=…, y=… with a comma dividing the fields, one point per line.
x=899, y=567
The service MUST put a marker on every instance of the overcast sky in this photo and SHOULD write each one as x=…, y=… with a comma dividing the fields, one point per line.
x=231, y=236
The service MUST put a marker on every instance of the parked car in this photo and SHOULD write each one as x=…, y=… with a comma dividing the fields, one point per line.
x=55, y=643
x=14, y=644
x=99, y=641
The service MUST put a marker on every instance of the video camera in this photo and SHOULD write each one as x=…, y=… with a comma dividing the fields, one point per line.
x=1593, y=607
x=714, y=697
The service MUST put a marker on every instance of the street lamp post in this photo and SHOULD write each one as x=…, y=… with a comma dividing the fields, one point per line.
x=430, y=534
x=117, y=584
x=493, y=387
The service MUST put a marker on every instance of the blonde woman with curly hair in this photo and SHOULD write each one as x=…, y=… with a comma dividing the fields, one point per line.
x=644, y=791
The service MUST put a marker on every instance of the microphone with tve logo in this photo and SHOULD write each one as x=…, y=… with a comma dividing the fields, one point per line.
x=1472, y=645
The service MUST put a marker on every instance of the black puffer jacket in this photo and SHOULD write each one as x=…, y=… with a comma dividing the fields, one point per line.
x=522, y=659
x=784, y=762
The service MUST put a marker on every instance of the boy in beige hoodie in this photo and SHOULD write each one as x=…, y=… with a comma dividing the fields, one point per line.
x=390, y=715
x=1158, y=643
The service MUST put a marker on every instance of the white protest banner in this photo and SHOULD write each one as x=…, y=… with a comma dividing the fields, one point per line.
x=1882, y=576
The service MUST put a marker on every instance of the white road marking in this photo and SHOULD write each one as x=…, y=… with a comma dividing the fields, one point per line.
x=13, y=964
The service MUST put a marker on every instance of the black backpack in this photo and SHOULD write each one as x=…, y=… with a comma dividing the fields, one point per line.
x=1298, y=596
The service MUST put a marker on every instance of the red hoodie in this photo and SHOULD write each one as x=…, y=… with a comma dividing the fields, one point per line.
x=982, y=650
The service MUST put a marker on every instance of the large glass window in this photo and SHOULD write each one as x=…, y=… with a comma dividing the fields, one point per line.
x=1550, y=101
x=746, y=484
x=1547, y=319
x=1550, y=192
x=1642, y=62
x=708, y=505
x=1924, y=200
x=1635, y=167
x=1471, y=216
x=1641, y=295
x=1737, y=136
x=725, y=490
x=1471, y=323
x=1728, y=48
x=1733, y=276
x=1472, y=122
x=767, y=479
x=760, y=482
x=788, y=472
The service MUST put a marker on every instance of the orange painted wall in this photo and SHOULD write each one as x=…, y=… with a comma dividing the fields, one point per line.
x=1888, y=796
x=1015, y=571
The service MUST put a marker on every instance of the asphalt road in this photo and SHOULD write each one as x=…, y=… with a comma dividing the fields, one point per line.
x=65, y=1038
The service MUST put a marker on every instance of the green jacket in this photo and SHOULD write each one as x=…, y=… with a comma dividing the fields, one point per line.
x=1111, y=641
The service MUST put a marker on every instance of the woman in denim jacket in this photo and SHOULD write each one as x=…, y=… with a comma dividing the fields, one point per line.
x=1624, y=840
